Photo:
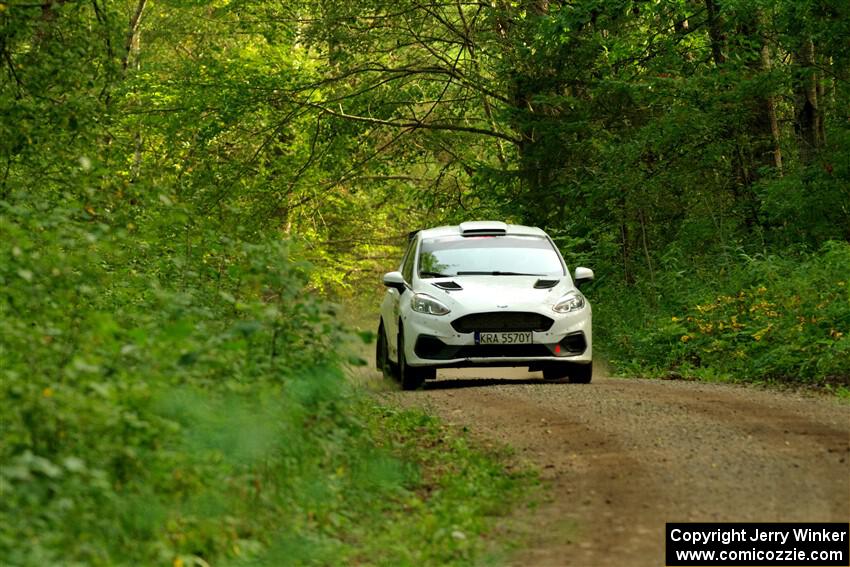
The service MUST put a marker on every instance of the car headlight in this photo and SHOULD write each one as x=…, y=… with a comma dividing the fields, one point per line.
x=572, y=301
x=424, y=303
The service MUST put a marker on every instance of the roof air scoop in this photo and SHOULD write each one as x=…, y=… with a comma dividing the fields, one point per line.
x=448, y=286
x=545, y=284
x=483, y=228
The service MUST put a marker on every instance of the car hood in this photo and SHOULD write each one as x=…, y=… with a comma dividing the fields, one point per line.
x=489, y=293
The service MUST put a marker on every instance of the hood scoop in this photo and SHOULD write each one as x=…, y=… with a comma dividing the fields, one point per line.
x=448, y=286
x=546, y=284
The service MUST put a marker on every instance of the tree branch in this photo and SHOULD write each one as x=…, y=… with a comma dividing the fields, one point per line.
x=416, y=124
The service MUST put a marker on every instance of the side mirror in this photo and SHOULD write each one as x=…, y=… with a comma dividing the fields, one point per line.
x=582, y=276
x=395, y=281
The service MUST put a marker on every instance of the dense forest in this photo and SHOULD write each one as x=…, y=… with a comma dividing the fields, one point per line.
x=187, y=188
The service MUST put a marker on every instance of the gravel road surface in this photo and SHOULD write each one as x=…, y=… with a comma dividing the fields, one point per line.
x=622, y=457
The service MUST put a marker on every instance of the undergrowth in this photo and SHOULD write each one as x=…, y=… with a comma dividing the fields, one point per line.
x=166, y=405
x=767, y=319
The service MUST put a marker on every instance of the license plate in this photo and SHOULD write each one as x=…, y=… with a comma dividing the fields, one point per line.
x=503, y=338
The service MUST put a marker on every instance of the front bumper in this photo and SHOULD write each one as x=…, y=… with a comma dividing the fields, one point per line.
x=433, y=341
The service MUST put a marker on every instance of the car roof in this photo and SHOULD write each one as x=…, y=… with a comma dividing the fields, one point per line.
x=480, y=227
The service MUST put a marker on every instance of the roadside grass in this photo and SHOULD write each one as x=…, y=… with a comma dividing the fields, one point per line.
x=159, y=415
x=778, y=321
x=460, y=493
x=688, y=373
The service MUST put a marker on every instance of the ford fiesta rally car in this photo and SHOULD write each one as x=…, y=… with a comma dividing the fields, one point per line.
x=484, y=293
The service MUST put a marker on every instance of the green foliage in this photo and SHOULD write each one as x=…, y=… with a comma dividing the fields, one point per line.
x=775, y=318
x=455, y=498
x=172, y=408
x=170, y=387
x=169, y=383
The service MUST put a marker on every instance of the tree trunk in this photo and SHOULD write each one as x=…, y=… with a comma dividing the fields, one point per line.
x=773, y=154
x=646, y=253
x=131, y=58
x=625, y=250
x=808, y=119
x=757, y=138
x=131, y=45
x=526, y=84
x=763, y=128
x=715, y=32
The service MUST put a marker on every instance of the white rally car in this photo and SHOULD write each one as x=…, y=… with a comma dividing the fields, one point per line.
x=484, y=293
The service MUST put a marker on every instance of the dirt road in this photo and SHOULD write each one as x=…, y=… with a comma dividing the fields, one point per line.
x=622, y=457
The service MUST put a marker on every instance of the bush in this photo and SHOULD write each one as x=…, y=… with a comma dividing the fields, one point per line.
x=771, y=318
x=136, y=400
x=167, y=405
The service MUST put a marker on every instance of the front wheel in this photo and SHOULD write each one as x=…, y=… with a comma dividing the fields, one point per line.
x=581, y=373
x=382, y=356
x=567, y=372
x=555, y=373
x=411, y=377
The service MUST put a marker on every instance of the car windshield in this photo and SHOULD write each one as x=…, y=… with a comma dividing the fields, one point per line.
x=488, y=255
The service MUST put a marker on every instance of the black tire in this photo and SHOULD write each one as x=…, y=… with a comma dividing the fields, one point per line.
x=581, y=373
x=382, y=356
x=411, y=377
x=556, y=373
x=380, y=348
x=566, y=372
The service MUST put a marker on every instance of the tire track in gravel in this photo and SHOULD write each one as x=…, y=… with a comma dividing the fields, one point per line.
x=622, y=457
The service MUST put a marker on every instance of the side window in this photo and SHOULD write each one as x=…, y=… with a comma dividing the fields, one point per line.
x=405, y=255
x=407, y=266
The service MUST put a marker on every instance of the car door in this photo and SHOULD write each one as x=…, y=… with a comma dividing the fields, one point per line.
x=390, y=307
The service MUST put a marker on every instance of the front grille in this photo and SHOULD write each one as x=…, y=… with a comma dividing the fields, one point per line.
x=433, y=348
x=502, y=321
x=502, y=351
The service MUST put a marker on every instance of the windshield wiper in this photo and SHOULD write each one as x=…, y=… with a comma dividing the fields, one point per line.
x=434, y=274
x=495, y=273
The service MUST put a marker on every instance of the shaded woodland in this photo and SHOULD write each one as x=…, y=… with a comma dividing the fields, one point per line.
x=185, y=185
